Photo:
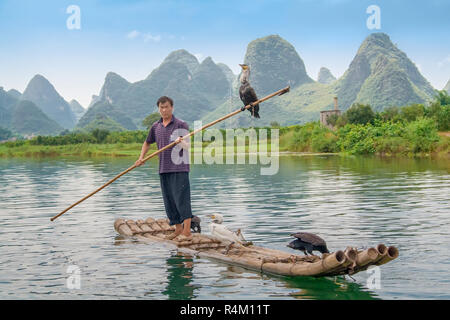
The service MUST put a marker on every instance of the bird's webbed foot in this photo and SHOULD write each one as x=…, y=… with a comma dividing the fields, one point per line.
x=243, y=108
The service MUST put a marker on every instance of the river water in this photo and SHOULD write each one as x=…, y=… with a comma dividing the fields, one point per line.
x=353, y=201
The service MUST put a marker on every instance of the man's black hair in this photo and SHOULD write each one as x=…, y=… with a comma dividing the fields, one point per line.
x=164, y=99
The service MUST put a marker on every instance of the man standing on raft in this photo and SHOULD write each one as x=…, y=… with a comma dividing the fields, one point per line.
x=174, y=177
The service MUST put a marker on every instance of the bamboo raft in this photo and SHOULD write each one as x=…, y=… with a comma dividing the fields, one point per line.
x=341, y=262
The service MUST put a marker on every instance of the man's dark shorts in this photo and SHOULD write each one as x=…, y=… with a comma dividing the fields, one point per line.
x=176, y=193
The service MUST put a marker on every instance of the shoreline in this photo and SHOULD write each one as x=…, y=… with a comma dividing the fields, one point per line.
x=132, y=150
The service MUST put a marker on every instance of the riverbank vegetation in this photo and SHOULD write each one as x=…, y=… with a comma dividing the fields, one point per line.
x=414, y=130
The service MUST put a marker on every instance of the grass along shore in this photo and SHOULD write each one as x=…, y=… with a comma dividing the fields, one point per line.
x=382, y=139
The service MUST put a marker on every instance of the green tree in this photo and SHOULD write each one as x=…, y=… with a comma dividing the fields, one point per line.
x=342, y=120
x=274, y=124
x=100, y=135
x=442, y=97
x=440, y=110
x=332, y=119
x=360, y=114
x=390, y=113
x=412, y=112
x=5, y=134
x=150, y=119
x=422, y=134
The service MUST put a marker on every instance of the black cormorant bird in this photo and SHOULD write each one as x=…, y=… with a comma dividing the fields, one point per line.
x=195, y=225
x=246, y=92
x=308, y=242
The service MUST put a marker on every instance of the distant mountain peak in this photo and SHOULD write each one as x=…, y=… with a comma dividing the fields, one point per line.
x=378, y=37
x=77, y=109
x=114, y=76
x=231, y=77
x=274, y=63
x=382, y=75
x=15, y=93
x=207, y=60
x=325, y=76
x=447, y=87
x=27, y=118
x=44, y=95
x=211, y=80
x=184, y=57
x=113, y=86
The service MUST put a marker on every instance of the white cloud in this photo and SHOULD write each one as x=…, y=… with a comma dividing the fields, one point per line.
x=133, y=34
x=145, y=36
x=150, y=37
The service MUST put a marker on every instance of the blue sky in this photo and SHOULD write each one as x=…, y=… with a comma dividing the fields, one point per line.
x=133, y=37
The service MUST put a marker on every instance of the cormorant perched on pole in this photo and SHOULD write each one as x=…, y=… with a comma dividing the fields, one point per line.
x=246, y=92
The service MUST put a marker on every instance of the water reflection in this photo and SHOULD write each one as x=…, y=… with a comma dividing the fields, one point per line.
x=337, y=288
x=179, y=277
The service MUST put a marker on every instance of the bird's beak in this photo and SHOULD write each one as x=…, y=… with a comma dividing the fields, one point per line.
x=212, y=216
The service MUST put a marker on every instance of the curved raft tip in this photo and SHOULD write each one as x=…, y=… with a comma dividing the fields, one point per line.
x=392, y=252
x=340, y=256
x=382, y=249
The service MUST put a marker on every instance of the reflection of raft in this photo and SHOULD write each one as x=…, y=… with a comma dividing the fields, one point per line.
x=257, y=258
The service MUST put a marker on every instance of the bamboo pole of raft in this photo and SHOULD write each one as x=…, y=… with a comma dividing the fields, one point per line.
x=260, y=259
x=170, y=145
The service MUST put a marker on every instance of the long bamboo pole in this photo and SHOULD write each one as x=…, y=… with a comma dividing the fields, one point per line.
x=170, y=145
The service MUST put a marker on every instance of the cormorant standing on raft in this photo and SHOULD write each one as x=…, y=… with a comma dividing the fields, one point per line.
x=246, y=92
x=308, y=242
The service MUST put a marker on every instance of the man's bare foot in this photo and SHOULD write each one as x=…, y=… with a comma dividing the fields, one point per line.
x=172, y=235
x=183, y=237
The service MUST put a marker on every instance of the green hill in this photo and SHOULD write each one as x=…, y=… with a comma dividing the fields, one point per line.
x=447, y=87
x=211, y=80
x=42, y=93
x=231, y=77
x=15, y=93
x=382, y=75
x=195, y=88
x=325, y=76
x=113, y=88
x=184, y=57
x=77, y=109
x=274, y=63
x=7, y=102
x=27, y=118
x=104, y=110
x=24, y=117
x=103, y=122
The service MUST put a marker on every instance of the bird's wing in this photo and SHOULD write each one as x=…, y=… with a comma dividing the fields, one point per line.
x=310, y=238
x=222, y=232
x=241, y=93
x=250, y=92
